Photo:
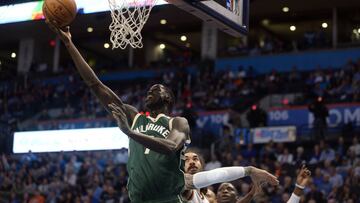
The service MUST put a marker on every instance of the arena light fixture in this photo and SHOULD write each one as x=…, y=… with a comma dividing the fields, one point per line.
x=358, y=30
x=183, y=38
x=285, y=9
x=293, y=28
x=163, y=22
x=13, y=55
x=265, y=22
x=355, y=31
x=324, y=25
x=90, y=29
x=106, y=45
x=162, y=46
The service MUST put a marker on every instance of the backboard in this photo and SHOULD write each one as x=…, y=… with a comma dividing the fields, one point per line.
x=230, y=16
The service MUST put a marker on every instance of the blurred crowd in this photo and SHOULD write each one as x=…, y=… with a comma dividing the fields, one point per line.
x=67, y=96
x=101, y=176
x=269, y=44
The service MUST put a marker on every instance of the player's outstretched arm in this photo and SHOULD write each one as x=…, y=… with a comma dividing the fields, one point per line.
x=227, y=174
x=102, y=92
x=302, y=181
x=175, y=141
x=250, y=195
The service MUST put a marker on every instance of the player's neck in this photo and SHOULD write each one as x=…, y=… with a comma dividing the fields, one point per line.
x=154, y=113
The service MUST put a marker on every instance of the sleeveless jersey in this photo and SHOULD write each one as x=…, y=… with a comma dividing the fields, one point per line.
x=154, y=177
x=197, y=197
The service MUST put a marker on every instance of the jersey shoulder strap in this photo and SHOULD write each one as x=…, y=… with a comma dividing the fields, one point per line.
x=135, y=119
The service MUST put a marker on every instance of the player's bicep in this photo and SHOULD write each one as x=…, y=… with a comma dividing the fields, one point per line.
x=180, y=132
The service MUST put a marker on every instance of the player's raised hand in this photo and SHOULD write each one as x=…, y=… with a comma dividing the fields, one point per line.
x=63, y=33
x=303, y=177
x=120, y=117
x=259, y=176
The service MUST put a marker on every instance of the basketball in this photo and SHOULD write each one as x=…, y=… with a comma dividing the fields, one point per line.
x=62, y=11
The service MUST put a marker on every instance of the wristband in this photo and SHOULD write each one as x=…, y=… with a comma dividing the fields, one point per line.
x=293, y=199
x=299, y=186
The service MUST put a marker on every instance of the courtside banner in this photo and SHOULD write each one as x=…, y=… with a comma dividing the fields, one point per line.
x=70, y=140
x=301, y=117
x=275, y=134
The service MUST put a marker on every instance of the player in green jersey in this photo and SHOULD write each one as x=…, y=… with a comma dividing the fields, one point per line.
x=156, y=141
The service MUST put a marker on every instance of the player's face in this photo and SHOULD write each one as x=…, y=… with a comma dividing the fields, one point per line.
x=155, y=96
x=211, y=197
x=226, y=193
x=192, y=163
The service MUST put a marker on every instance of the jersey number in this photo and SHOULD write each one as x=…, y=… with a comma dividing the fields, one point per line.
x=147, y=150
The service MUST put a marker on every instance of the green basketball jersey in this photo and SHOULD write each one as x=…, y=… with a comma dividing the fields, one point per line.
x=154, y=177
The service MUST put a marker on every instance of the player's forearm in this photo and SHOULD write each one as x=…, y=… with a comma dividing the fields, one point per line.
x=219, y=175
x=295, y=196
x=298, y=191
x=87, y=74
x=163, y=146
x=247, y=198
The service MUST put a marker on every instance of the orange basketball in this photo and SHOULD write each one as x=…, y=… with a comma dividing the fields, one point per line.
x=62, y=11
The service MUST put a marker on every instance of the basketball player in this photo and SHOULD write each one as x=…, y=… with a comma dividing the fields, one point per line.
x=194, y=163
x=227, y=193
x=156, y=141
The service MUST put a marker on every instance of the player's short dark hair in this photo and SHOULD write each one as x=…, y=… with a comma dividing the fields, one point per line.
x=198, y=152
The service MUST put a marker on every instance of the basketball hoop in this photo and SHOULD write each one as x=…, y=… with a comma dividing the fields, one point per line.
x=128, y=19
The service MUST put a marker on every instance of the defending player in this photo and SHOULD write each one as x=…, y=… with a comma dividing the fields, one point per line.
x=227, y=193
x=156, y=142
x=194, y=163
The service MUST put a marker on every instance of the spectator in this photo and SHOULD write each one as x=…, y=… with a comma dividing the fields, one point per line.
x=249, y=152
x=327, y=154
x=355, y=147
x=320, y=112
x=336, y=180
x=213, y=164
x=325, y=186
x=285, y=157
x=315, y=158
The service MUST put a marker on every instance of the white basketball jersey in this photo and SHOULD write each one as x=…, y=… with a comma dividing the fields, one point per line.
x=197, y=197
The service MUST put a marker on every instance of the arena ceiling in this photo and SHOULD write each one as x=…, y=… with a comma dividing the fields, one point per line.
x=265, y=15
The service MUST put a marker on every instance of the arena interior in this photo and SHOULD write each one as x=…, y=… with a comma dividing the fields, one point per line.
x=285, y=94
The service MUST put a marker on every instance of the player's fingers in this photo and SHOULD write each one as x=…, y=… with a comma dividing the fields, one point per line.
x=55, y=23
x=303, y=167
x=51, y=26
x=274, y=182
x=272, y=179
x=67, y=29
x=113, y=107
x=115, y=114
x=271, y=176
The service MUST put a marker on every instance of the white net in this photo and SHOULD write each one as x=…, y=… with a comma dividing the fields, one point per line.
x=128, y=19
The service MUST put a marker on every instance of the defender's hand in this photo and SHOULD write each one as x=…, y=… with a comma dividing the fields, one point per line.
x=120, y=117
x=63, y=33
x=259, y=176
x=303, y=177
